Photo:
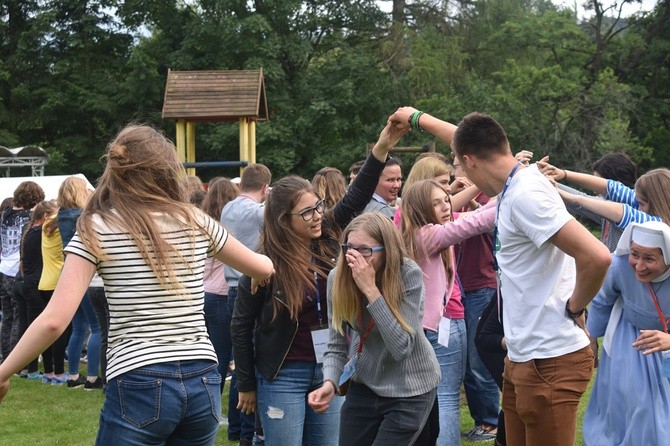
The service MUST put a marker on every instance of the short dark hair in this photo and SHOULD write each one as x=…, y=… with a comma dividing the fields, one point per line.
x=356, y=167
x=393, y=162
x=255, y=177
x=27, y=195
x=617, y=166
x=480, y=135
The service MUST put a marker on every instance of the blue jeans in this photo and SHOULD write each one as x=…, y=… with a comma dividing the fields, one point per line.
x=217, y=319
x=171, y=403
x=101, y=309
x=286, y=417
x=240, y=425
x=84, y=318
x=481, y=390
x=452, y=365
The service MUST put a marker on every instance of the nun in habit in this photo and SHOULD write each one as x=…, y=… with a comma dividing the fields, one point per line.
x=630, y=400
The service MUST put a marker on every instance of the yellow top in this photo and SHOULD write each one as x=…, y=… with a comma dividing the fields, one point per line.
x=52, y=259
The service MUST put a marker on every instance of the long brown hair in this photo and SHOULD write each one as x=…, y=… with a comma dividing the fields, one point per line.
x=329, y=184
x=143, y=176
x=653, y=188
x=417, y=212
x=218, y=195
x=347, y=298
x=295, y=259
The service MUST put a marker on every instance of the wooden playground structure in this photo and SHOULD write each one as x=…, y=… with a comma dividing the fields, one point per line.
x=215, y=96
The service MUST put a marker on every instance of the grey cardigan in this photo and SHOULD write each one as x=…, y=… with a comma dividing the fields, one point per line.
x=393, y=362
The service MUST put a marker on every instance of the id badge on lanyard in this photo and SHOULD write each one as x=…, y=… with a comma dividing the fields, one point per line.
x=319, y=332
x=320, y=341
x=443, y=331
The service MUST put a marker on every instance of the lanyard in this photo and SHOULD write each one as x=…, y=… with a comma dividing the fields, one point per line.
x=658, y=308
x=318, y=299
x=366, y=333
x=495, y=239
x=495, y=226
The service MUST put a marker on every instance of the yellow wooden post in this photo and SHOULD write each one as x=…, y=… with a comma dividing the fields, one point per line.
x=190, y=146
x=252, y=141
x=181, y=139
x=244, y=142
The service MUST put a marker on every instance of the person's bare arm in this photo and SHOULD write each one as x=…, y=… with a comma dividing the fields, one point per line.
x=440, y=129
x=241, y=258
x=597, y=184
x=463, y=198
x=592, y=259
x=388, y=138
x=610, y=210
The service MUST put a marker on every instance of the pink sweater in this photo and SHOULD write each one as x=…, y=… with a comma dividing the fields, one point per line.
x=433, y=239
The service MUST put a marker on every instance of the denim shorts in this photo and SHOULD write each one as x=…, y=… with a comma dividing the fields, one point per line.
x=178, y=403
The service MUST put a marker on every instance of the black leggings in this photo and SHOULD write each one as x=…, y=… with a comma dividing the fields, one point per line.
x=54, y=355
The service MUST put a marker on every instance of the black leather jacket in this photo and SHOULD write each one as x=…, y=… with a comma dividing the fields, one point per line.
x=258, y=339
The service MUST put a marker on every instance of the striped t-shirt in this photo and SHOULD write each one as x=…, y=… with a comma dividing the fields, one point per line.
x=148, y=323
x=621, y=193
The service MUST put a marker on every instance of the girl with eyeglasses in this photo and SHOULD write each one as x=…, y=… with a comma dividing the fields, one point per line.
x=430, y=232
x=280, y=329
x=377, y=291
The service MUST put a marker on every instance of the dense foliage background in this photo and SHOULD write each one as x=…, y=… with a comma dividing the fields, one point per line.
x=72, y=72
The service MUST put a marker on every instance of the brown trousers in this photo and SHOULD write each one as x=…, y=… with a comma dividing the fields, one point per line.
x=540, y=398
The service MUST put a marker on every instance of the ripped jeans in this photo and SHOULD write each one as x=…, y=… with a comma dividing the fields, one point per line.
x=286, y=417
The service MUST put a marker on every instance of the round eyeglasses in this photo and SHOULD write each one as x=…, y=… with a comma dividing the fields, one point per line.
x=365, y=251
x=308, y=213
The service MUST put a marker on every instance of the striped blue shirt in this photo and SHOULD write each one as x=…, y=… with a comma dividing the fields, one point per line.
x=620, y=193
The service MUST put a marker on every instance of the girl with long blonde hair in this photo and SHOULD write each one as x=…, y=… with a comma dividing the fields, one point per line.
x=72, y=197
x=280, y=330
x=149, y=246
x=377, y=291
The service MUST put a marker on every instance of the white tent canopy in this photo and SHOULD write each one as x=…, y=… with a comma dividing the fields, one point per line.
x=50, y=184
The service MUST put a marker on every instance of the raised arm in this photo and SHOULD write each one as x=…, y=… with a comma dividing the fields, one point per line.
x=607, y=209
x=464, y=197
x=360, y=191
x=440, y=129
x=440, y=237
x=591, y=182
x=574, y=209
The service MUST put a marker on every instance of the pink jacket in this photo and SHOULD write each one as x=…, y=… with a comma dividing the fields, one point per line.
x=433, y=239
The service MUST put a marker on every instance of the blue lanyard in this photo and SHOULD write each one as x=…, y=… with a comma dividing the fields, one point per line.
x=318, y=299
x=495, y=226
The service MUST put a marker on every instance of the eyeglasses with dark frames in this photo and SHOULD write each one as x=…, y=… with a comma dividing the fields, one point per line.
x=365, y=251
x=308, y=214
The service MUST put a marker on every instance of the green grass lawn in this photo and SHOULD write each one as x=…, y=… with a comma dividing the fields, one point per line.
x=36, y=414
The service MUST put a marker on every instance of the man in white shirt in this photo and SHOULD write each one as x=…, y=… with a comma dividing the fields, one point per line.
x=550, y=267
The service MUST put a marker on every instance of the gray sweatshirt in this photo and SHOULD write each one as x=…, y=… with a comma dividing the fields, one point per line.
x=393, y=363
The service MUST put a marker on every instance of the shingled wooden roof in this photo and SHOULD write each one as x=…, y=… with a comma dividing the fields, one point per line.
x=219, y=95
